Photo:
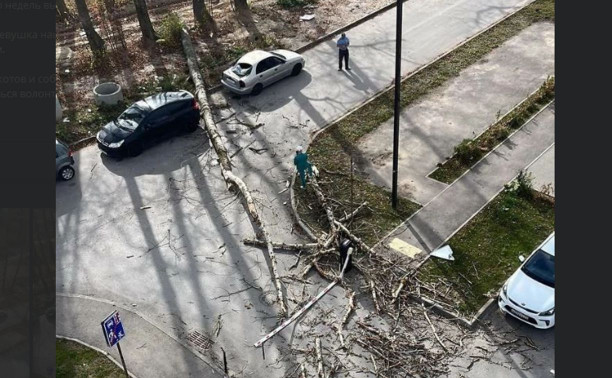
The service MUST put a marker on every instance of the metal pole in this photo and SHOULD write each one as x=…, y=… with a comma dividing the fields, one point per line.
x=398, y=76
x=122, y=360
x=351, y=206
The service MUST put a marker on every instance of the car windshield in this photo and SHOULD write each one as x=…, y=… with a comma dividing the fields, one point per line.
x=541, y=267
x=134, y=115
x=278, y=55
x=242, y=69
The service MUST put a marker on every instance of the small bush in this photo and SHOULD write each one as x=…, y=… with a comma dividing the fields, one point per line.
x=170, y=30
x=294, y=3
x=467, y=151
x=522, y=186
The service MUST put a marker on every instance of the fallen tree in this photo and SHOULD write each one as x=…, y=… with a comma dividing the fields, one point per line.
x=232, y=180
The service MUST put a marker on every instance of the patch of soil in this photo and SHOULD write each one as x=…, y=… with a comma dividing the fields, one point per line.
x=133, y=64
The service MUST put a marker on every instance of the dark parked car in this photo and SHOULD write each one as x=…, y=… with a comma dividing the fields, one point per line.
x=148, y=121
x=63, y=161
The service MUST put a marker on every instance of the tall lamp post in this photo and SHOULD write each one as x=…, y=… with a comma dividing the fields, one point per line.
x=396, y=115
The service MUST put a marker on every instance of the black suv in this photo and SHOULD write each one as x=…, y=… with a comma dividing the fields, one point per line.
x=148, y=121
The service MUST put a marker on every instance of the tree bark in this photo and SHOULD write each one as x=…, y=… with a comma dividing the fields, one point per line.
x=95, y=41
x=202, y=17
x=226, y=167
x=62, y=11
x=241, y=5
x=142, y=12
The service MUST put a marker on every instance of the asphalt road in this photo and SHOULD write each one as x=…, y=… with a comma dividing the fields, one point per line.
x=160, y=233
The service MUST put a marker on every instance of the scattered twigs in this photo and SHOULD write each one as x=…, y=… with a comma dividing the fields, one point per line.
x=354, y=238
x=433, y=328
x=320, y=371
x=373, y=289
x=351, y=215
x=283, y=246
x=399, y=289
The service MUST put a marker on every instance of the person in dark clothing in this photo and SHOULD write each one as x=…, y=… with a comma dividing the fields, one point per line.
x=343, y=52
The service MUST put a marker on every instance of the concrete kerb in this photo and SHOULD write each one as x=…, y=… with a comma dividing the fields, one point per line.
x=495, y=123
x=123, y=308
x=458, y=178
x=103, y=352
x=435, y=305
x=307, y=229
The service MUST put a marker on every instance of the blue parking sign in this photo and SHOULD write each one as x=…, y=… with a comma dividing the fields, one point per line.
x=113, y=329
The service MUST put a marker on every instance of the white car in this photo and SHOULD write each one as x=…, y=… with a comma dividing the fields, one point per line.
x=529, y=294
x=258, y=69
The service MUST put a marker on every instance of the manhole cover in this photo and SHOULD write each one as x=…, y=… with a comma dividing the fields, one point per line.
x=199, y=340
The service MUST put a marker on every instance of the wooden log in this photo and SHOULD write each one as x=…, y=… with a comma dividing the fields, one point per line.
x=351, y=215
x=320, y=371
x=283, y=246
x=224, y=160
x=354, y=238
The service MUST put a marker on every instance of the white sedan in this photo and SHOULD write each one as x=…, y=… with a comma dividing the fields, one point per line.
x=258, y=69
x=529, y=294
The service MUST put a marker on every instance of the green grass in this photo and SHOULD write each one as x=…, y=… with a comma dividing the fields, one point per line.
x=76, y=360
x=471, y=151
x=329, y=151
x=486, y=250
x=86, y=122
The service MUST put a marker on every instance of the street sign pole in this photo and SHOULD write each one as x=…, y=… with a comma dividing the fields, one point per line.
x=396, y=115
x=122, y=360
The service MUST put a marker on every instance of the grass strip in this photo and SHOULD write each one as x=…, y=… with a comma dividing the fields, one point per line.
x=331, y=150
x=76, y=360
x=486, y=249
x=469, y=151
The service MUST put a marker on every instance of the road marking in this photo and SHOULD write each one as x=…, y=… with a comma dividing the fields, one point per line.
x=404, y=248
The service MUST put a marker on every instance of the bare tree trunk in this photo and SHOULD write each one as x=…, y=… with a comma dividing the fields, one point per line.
x=226, y=167
x=62, y=11
x=241, y=5
x=202, y=16
x=142, y=12
x=95, y=41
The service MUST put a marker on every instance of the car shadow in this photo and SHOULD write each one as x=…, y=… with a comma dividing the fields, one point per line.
x=279, y=94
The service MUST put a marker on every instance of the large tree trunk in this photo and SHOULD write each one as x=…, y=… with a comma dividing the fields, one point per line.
x=62, y=11
x=203, y=19
x=241, y=5
x=226, y=166
x=95, y=41
x=142, y=12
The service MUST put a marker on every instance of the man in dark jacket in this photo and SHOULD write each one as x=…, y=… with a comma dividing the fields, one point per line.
x=343, y=52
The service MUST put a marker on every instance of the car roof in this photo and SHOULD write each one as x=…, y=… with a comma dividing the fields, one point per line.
x=549, y=245
x=157, y=100
x=254, y=57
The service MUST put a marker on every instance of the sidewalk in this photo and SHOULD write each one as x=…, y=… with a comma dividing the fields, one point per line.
x=148, y=351
x=434, y=223
x=293, y=109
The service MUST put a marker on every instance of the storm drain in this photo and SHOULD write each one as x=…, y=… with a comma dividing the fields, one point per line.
x=200, y=341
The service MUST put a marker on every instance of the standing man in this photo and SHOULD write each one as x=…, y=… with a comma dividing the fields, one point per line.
x=301, y=163
x=343, y=52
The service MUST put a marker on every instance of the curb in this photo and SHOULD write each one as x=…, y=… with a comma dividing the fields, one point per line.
x=434, y=304
x=493, y=124
x=123, y=308
x=388, y=88
x=103, y=352
x=82, y=142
